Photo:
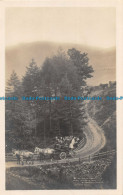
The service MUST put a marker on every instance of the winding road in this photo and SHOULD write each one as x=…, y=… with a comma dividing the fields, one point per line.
x=94, y=136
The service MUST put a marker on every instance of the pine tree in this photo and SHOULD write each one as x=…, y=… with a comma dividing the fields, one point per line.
x=13, y=84
x=81, y=62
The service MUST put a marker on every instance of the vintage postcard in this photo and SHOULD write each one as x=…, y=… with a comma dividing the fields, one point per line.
x=61, y=97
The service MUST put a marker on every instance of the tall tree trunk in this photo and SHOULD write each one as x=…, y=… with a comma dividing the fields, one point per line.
x=35, y=126
x=56, y=107
x=50, y=115
x=44, y=126
x=59, y=128
x=50, y=109
x=44, y=134
x=71, y=126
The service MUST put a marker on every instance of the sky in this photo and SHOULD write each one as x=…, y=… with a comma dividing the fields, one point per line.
x=93, y=27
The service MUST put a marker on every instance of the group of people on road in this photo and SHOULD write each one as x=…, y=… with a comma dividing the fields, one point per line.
x=69, y=141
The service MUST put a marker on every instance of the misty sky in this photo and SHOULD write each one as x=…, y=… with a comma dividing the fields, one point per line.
x=87, y=26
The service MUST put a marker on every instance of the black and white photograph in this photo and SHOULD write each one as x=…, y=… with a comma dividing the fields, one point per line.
x=60, y=98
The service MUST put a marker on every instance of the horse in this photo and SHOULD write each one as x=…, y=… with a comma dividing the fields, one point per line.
x=44, y=152
x=27, y=155
x=20, y=154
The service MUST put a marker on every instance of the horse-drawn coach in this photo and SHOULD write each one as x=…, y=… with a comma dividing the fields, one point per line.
x=62, y=148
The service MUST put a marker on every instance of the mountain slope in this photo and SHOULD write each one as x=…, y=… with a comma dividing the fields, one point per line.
x=103, y=61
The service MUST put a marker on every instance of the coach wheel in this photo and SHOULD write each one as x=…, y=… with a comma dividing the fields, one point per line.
x=62, y=155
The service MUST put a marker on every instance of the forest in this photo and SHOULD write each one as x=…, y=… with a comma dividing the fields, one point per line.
x=36, y=123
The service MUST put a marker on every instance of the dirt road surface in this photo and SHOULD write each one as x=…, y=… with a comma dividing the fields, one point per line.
x=94, y=135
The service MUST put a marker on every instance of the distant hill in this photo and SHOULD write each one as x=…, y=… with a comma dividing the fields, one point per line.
x=103, y=61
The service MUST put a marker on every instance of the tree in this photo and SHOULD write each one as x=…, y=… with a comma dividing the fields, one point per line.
x=61, y=78
x=81, y=62
x=12, y=89
x=31, y=80
x=13, y=84
x=13, y=109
